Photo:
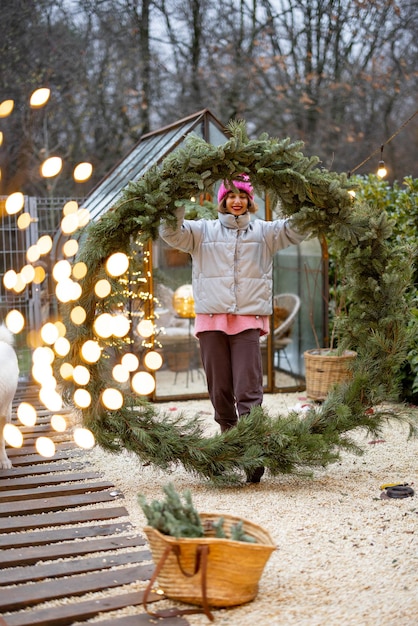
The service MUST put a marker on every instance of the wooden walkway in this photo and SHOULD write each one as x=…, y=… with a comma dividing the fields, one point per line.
x=66, y=536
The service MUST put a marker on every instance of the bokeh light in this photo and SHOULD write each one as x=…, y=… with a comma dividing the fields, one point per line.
x=145, y=328
x=26, y=414
x=82, y=398
x=24, y=221
x=102, y=288
x=70, y=248
x=117, y=264
x=84, y=438
x=6, y=108
x=12, y=435
x=45, y=447
x=39, y=97
x=143, y=383
x=90, y=351
x=15, y=203
x=120, y=326
x=78, y=315
x=103, y=325
x=51, y=167
x=130, y=361
x=153, y=360
x=45, y=244
x=81, y=375
x=79, y=269
x=82, y=172
x=112, y=399
x=120, y=373
x=59, y=423
x=15, y=321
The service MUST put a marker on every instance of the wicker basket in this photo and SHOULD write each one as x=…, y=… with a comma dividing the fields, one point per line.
x=323, y=370
x=226, y=575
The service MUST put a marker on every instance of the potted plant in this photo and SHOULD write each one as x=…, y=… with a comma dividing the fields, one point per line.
x=328, y=366
x=203, y=559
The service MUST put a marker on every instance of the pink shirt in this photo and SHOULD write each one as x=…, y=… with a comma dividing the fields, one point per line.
x=230, y=324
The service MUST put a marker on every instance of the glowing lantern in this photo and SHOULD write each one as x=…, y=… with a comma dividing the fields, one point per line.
x=183, y=302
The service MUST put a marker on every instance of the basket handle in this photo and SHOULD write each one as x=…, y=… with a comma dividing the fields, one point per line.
x=201, y=562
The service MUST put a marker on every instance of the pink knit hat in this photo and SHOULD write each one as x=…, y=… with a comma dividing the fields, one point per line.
x=242, y=185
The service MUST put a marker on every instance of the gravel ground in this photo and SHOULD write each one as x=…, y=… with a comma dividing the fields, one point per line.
x=345, y=556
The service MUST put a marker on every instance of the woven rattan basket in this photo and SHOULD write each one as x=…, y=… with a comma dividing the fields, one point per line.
x=231, y=571
x=323, y=370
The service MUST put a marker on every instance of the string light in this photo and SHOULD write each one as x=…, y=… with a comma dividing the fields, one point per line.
x=381, y=170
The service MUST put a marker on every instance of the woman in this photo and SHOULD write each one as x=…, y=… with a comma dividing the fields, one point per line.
x=232, y=261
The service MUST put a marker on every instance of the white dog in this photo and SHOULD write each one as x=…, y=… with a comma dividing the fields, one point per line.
x=9, y=376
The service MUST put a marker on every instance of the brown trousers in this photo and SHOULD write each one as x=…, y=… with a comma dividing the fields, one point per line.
x=234, y=373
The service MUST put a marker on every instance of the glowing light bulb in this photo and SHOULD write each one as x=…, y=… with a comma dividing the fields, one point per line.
x=381, y=171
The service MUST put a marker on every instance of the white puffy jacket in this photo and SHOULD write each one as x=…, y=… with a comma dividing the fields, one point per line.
x=232, y=260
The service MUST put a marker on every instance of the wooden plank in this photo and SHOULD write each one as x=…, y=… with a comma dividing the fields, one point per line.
x=26, y=522
x=17, y=575
x=22, y=596
x=50, y=491
x=23, y=482
x=29, y=556
x=41, y=537
x=53, y=504
x=36, y=459
x=80, y=611
x=142, y=619
x=15, y=598
x=45, y=468
x=26, y=450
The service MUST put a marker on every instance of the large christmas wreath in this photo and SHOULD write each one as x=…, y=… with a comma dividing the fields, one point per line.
x=376, y=325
